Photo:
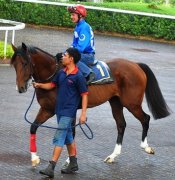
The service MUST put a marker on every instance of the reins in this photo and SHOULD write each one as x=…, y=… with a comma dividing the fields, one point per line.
x=46, y=80
x=50, y=127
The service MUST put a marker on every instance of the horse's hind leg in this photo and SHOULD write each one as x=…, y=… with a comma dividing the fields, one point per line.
x=42, y=116
x=144, y=118
x=117, y=111
x=145, y=126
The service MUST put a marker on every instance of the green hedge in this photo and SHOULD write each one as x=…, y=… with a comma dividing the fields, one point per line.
x=102, y=21
x=9, y=51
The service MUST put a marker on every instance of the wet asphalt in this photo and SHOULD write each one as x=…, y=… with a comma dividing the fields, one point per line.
x=133, y=163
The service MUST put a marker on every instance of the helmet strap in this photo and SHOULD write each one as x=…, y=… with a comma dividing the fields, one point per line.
x=79, y=17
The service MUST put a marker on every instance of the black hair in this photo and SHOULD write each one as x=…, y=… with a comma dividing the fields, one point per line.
x=73, y=52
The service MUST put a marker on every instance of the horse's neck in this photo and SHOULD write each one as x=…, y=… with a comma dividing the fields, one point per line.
x=44, y=67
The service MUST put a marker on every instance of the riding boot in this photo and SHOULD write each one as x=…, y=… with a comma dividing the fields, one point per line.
x=49, y=171
x=72, y=166
x=90, y=77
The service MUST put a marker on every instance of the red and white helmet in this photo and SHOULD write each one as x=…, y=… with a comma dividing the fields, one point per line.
x=78, y=9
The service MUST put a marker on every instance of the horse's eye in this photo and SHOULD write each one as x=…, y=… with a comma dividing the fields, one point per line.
x=24, y=64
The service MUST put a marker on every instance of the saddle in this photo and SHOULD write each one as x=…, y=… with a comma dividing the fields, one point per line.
x=102, y=73
x=101, y=70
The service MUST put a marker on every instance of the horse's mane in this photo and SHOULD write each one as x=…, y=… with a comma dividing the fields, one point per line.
x=31, y=50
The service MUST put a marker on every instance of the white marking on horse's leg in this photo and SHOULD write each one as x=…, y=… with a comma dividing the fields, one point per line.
x=145, y=146
x=68, y=160
x=35, y=159
x=66, y=163
x=144, y=143
x=116, y=152
x=16, y=88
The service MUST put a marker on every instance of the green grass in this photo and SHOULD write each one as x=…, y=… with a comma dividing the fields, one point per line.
x=142, y=7
x=9, y=51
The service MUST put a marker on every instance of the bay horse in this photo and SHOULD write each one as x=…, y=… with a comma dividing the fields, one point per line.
x=131, y=81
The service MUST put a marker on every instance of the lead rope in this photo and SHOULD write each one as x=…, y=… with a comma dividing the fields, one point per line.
x=50, y=127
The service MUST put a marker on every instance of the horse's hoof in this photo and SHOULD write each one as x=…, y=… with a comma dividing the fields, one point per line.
x=109, y=160
x=35, y=161
x=149, y=150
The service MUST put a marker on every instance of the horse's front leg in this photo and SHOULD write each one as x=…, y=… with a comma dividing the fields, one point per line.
x=33, y=148
x=42, y=116
x=116, y=153
x=117, y=150
x=117, y=111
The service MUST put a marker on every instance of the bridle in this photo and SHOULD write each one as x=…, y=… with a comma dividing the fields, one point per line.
x=32, y=66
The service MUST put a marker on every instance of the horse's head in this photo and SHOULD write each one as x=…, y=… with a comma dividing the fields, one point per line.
x=21, y=62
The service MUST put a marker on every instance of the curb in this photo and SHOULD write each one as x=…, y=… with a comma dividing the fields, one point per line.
x=5, y=65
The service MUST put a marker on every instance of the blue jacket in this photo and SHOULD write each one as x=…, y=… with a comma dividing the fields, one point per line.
x=83, y=38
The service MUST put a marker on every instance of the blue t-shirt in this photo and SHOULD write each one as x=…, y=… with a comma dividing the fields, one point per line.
x=83, y=38
x=69, y=90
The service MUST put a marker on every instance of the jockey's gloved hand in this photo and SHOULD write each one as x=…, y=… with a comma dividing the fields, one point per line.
x=59, y=56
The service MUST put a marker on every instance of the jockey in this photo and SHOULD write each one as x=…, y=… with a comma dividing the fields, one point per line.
x=83, y=40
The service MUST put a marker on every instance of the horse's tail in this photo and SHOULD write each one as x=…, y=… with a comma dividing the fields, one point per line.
x=155, y=100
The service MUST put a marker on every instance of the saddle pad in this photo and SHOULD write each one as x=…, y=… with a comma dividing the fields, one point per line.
x=102, y=72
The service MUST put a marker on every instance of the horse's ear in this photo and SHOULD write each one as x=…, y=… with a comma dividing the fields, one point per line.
x=24, y=46
x=59, y=56
x=13, y=47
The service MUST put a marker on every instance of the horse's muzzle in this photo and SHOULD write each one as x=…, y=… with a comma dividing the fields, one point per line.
x=22, y=89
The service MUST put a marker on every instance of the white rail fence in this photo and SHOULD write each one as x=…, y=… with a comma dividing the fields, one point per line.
x=7, y=25
x=100, y=8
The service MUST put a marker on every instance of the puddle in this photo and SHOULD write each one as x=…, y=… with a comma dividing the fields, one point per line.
x=143, y=50
x=14, y=158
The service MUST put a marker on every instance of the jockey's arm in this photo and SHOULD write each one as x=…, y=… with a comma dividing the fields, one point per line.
x=46, y=86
